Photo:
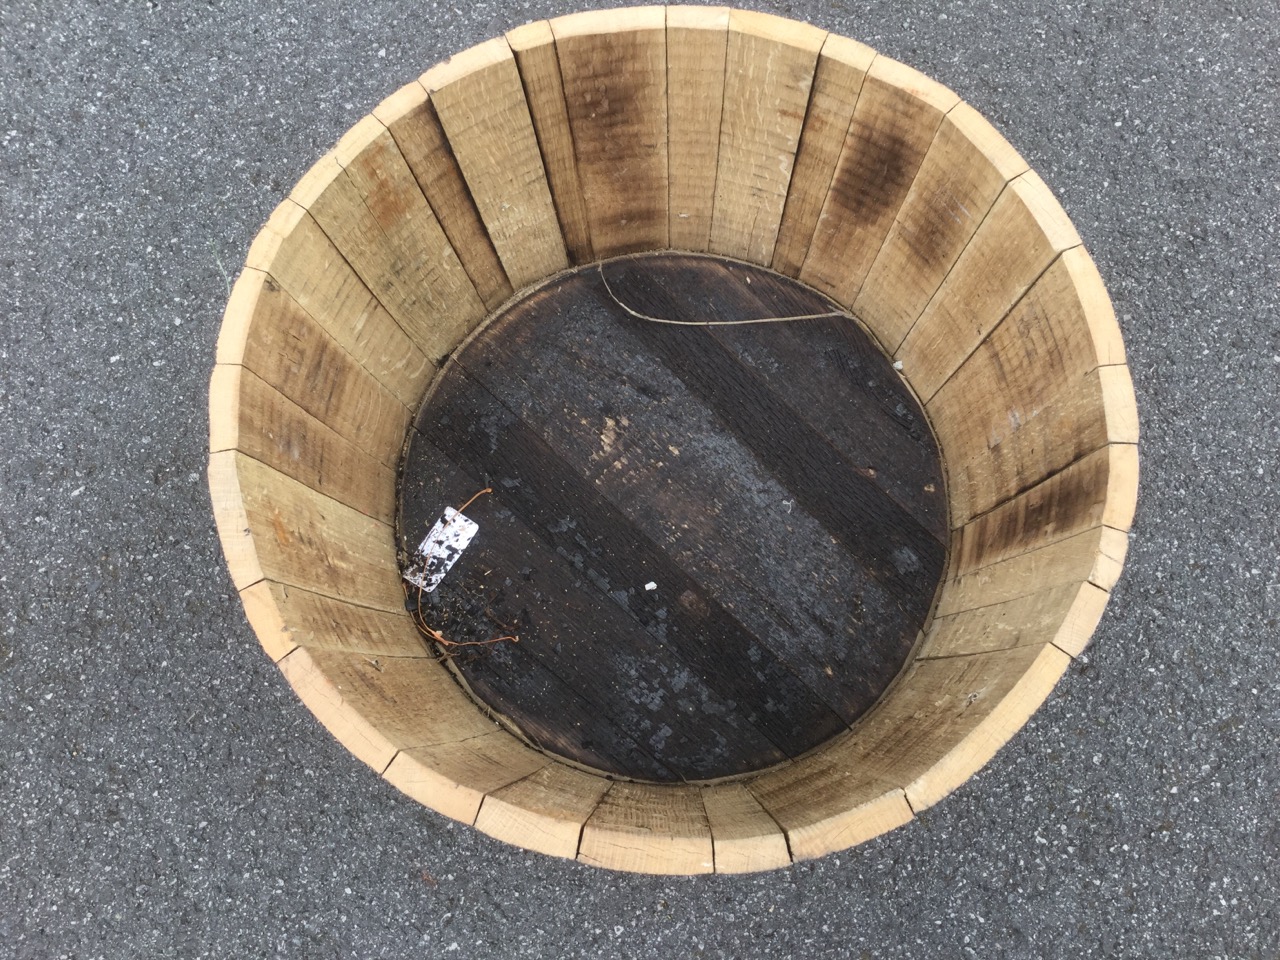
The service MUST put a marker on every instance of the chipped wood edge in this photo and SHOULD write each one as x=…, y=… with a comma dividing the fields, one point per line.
x=326, y=702
x=851, y=827
x=982, y=743
x=654, y=845
x=231, y=518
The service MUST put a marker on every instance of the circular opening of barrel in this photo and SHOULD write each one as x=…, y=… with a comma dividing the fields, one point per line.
x=802, y=412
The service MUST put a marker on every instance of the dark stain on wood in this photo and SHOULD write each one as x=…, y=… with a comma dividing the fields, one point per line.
x=885, y=149
x=618, y=121
x=777, y=484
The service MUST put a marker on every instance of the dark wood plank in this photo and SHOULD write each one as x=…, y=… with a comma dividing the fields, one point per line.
x=571, y=629
x=762, y=543
x=887, y=538
x=777, y=483
x=700, y=543
x=687, y=622
x=828, y=371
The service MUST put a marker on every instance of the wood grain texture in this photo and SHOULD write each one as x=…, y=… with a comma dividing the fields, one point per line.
x=544, y=811
x=376, y=710
x=535, y=51
x=480, y=101
x=938, y=726
x=454, y=778
x=232, y=521
x=619, y=122
x=963, y=173
x=1100, y=488
x=744, y=837
x=1023, y=234
x=622, y=131
x=1096, y=556
x=641, y=828
x=286, y=617
x=898, y=113
x=411, y=117
x=284, y=346
x=247, y=414
x=367, y=201
x=1041, y=391
x=273, y=526
x=697, y=38
x=841, y=69
x=1065, y=615
x=294, y=252
x=825, y=806
x=769, y=71
x=958, y=760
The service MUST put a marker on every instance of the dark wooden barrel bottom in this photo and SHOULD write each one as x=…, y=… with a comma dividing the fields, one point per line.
x=716, y=544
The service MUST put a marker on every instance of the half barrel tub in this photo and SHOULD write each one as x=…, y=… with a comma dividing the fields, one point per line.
x=711, y=131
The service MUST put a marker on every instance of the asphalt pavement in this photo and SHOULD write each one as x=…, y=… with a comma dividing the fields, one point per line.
x=164, y=794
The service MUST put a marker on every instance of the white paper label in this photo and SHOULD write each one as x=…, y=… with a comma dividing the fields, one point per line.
x=440, y=550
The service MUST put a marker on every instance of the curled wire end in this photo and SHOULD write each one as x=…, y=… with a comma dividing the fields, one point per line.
x=476, y=497
x=420, y=622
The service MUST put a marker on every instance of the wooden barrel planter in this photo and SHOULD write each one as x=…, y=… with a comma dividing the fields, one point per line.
x=804, y=413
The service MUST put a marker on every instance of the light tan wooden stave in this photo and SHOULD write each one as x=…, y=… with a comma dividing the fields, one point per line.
x=618, y=120
x=248, y=414
x=268, y=333
x=479, y=98
x=294, y=252
x=965, y=170
x=411, y=117
x=1095, y=556
x=286, y=617
x=743, y=835
x=377, y=709
x=1016, y=242
x=544, y=811
x=643, y=828
x=454, y=778
x=534, y=47
x=274, y=527
x=841, y=70
x=367, y=201
x=1098, y=489
x=825, y=806
x=1065, y=615
x=769, y=69
x=697, y=41
x=898, y=112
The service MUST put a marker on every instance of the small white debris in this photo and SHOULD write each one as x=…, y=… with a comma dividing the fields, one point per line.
x=651, y=585
x=382, y=52
x=77, y=491
x=897, y=364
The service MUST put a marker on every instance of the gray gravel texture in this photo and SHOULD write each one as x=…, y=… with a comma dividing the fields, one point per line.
x=163, y=794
